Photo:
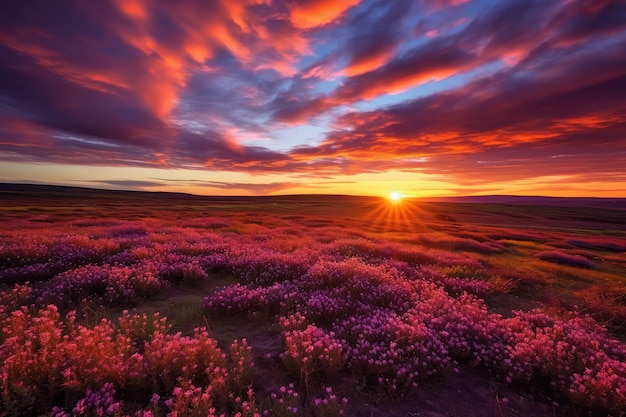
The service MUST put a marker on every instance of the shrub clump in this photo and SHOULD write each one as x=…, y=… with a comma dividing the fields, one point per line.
x=48, y=361
x=564, y=259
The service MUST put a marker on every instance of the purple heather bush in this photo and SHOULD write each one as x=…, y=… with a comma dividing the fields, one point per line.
x=459, y=244
x=109, y=285
x=388, y=354
x=268, y=268
x=95, y=403
x=186, y=272
x=284, y=403
x=328, y=405
x=565, y=259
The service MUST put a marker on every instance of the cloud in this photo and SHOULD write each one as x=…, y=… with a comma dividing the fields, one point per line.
x=259, y=189
x=503, y=89
x=248, y=188
x=216, y=186
x=458, y=131
x=307, y=14
x=134, y=184
x=500, y=34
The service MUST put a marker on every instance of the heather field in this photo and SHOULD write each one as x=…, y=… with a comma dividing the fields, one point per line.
x=139, y=304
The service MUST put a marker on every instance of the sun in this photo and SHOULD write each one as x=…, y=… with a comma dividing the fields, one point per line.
x=394, y=211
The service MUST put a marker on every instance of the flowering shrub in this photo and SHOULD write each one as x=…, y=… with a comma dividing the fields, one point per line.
x=240, y=299
x=141, y=328
x=29, y=354
x=13, y=299
x=95, y=403
x=565, y=259
x=390, y=354
x=111, y=285
x=467, y=329
x=446, y=258
x=188, y=272
x=312, y=351
x=460, y=244
x=191, y=401
x=188, y=400
x=456, y=286
x=241, y=364
x=23, y=251
x=284, y=403
x=576, y=356
x=370, y=250
x=41, y=258
x=295, y=321
x=329, y=405
x=323, y=307
x=45, y=356
x=269, y=268
x=203, y=361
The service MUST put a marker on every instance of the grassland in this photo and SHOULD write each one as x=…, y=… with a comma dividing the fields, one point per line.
x=120, y=303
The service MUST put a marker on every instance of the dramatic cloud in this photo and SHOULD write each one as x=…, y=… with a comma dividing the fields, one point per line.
x=130, y=184
x=248, y=188
x=310, y=13
x=163, y=183
x=470, y=90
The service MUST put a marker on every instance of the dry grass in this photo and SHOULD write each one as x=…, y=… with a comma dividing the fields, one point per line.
x=503, y=285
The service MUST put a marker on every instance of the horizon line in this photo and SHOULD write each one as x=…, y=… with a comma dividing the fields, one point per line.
x=405, y=197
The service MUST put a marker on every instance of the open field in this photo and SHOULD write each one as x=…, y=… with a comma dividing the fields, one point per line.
x=140, y=304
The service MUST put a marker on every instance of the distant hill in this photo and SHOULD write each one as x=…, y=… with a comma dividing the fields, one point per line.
x=61, y=191
x=592, y=202
x=41, y=191
x=44, y=191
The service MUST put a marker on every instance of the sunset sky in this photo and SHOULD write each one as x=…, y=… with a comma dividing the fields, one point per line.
x=254, y=97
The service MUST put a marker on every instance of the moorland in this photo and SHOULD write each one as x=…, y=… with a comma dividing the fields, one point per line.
x=160, y=304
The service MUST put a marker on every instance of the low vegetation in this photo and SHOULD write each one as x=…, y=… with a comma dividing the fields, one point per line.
x=280, y=315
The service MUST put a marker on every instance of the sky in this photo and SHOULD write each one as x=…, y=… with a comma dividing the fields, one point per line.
x=256, y=97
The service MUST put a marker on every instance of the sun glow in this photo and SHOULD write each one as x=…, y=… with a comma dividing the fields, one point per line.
x=395, y=197
x=396, y=212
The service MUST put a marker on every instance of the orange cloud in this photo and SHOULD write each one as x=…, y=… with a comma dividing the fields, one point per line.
x=368, y=63
x=401, y=84
x=134, y=9
x=253, y=38
x=238, y=12
x=311, y=13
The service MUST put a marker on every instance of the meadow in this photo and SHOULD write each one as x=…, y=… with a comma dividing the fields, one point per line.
x=139, y=304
